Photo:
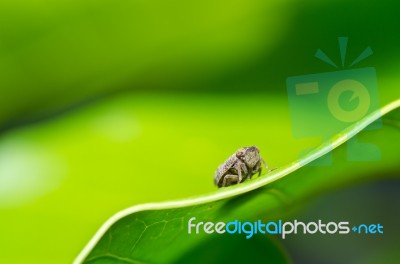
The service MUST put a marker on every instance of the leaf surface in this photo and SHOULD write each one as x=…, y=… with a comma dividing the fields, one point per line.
x=158, y=232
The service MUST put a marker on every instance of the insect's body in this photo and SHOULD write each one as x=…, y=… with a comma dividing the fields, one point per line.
x=228, y=167
x=240, y=166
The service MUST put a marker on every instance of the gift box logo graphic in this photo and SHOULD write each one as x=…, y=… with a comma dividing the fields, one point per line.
x=323, y=104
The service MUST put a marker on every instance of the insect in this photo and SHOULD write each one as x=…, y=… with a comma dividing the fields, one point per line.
x=239, y=167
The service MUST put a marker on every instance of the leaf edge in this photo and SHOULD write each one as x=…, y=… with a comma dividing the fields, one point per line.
x=224, y=193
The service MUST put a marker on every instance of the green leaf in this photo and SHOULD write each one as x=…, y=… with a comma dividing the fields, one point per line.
x=232, y=249
x=157, y=233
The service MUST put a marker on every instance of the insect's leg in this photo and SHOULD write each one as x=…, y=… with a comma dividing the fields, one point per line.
x=246, y=172
x=229, y=180
x=257, y=168
x=241, y=167
x=240, y=178
x=265, y=165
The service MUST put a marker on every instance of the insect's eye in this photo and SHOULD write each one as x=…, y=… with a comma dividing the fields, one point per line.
x=240, y=154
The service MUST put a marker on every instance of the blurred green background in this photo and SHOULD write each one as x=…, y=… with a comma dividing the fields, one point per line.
x=108, y=104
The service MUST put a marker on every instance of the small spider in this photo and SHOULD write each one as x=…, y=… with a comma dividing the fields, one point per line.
x=239, y=167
